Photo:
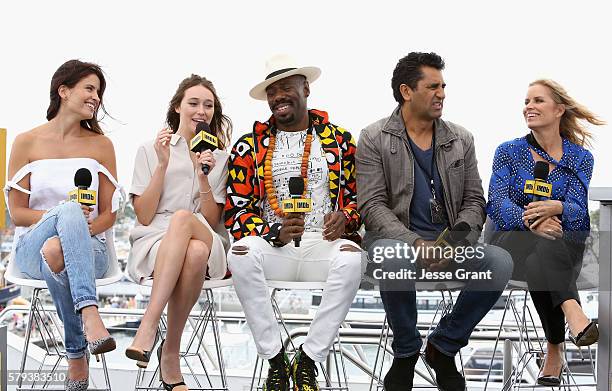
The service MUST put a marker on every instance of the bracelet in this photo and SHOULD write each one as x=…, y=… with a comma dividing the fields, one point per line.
x=206, y=192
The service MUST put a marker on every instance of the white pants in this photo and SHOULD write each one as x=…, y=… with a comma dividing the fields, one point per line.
x=315, y=260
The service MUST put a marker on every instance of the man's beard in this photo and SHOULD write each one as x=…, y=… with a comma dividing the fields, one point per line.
x=286, y=120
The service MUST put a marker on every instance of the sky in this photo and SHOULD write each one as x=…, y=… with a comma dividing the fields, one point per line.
x=492, y=51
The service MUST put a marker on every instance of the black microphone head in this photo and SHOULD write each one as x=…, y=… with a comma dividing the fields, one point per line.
x=202, y=127
x=296, y=185
x=208, y=141
x=459, y=232
x=540, y=170
x=82, y=178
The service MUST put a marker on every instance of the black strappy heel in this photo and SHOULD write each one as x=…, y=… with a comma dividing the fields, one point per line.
x=167, y=387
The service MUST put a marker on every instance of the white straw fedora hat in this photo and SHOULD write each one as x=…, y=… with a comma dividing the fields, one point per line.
x=279, y=67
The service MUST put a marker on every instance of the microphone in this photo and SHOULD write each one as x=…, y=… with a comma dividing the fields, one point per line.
x=297, y=204
x=454, y=236
x=82, y=181
x=204, y=140
x=539, y=189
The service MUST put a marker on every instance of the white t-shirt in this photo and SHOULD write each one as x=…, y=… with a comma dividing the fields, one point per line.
x=287, y=162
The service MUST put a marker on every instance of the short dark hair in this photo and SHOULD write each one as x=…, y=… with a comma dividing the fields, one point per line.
x=408, y=71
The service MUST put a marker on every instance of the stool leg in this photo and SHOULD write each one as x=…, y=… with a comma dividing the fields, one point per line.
x=501, y=325
x=199, y=329
x=217, y=337
x=207, y=315
x=199, y=326
x=259, y=363
x=105, y=371
x=255, y=375
x=139, y=378
x=525, y=341
x=26, y=342
x=325, y=371
x=53, y=369
x=195, y=378
x=450, y=306
x=279, y=317
x=342, y=365
x=535, y=330
x=383, y=334
x=591, y=361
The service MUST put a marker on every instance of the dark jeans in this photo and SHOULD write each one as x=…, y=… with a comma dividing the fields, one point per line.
x=454, y=330
x=550, y=268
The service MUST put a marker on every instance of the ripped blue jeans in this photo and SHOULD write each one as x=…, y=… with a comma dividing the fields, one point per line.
x=85, y=259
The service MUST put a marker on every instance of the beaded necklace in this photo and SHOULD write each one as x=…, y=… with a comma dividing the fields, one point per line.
x=269, y=185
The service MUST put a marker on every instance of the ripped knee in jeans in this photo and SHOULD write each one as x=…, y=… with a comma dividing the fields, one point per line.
x=51, y=253
x=240, y=250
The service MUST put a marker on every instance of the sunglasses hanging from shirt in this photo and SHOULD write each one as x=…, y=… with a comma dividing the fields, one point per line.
x=436, y=208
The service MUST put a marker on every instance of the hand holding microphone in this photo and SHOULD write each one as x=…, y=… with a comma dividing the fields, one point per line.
x=537, y=212
x=294, y=208
x=206, y=159
x=539, y=190
x=292, y=228
x=82, y=194
x=204, y=140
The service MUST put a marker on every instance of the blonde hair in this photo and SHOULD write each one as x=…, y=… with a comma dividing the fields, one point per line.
x=571, y=125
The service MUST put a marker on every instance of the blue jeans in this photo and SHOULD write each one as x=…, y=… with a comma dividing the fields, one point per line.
x=454, y=330
x=85, y=259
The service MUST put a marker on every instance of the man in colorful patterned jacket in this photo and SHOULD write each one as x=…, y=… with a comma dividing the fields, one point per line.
x=271, y=244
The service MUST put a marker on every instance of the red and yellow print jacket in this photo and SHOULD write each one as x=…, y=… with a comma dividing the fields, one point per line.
x=245, y=184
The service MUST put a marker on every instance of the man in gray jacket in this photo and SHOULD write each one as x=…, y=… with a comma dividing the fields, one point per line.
x=417, y=176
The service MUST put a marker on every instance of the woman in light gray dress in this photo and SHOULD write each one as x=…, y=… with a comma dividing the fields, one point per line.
x=179, y=238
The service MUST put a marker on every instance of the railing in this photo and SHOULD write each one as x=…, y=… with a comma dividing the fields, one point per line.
x=604, y=352
x=354, y=335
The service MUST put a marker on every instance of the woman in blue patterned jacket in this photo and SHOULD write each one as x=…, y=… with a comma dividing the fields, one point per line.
x=546, y=238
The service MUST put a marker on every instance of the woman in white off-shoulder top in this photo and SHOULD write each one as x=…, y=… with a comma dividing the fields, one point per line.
x=57, y=240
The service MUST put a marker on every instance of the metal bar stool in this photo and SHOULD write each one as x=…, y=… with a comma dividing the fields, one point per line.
x=341, y=381
x=444, y=307
x=527, y=349
x=196, y=347
x=530, y=345
x=527, y=346
x=48, y=323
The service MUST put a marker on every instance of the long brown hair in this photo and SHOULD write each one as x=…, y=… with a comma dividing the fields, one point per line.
x=69, y=74
x=220, y=124
x=571, y=125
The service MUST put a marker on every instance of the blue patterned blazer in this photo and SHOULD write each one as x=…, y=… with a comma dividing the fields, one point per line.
x=513, y=164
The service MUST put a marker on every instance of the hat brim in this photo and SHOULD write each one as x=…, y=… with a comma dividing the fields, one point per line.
x=259, y=91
